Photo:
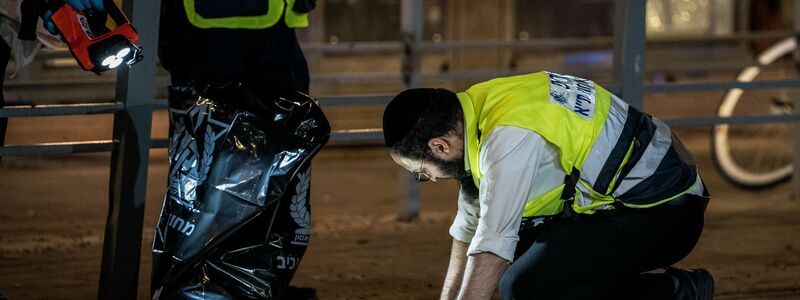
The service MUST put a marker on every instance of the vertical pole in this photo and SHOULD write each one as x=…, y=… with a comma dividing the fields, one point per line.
x=316, y=34
x=411, y=23
x=119, y=272
x=713, y=20
x=743, y=19
x=795, y=126
x=629, y=44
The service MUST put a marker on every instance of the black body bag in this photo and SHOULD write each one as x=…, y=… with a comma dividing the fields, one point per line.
x=235, y=221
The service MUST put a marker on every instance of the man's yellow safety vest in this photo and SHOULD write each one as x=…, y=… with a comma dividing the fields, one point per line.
x=206, y=14
x=621, y=154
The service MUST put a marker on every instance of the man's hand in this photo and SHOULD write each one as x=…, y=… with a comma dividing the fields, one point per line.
x=482, y=273
x=455, y=270
x=82, y=5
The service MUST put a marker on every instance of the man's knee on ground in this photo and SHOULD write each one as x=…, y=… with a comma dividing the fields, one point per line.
x=508, y=284
x=516, y=285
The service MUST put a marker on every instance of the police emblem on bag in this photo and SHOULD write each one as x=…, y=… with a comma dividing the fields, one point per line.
x=298, y=209
x=191, y=155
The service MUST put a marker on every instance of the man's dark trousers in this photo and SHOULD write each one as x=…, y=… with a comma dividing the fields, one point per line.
x=602, y=256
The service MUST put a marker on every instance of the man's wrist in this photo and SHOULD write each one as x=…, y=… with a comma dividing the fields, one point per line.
x=483, y=271
x=455, y=270
x=449, y=292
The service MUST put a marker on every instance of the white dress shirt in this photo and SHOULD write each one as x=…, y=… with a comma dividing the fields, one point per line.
x=517, y=164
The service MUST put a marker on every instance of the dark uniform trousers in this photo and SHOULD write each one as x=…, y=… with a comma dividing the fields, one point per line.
x=604, y=255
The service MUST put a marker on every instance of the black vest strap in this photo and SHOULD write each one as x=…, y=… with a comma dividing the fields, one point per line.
x=568, y=194
x=570, y=182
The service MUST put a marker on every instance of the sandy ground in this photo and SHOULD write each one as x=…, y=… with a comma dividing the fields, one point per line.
x=53, y=209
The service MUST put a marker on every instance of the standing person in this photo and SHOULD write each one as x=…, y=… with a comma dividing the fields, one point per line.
x=247, y=41
x=235, y=66
x=566, y=191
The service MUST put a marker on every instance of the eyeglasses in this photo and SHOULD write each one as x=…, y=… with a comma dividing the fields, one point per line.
x=421, y=175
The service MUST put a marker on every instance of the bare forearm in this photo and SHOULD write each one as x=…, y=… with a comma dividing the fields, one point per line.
x=455, y=270
x=481, y=275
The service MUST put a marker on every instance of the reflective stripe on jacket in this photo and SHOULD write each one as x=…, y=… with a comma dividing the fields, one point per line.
x=622, y=154
x=243, y=14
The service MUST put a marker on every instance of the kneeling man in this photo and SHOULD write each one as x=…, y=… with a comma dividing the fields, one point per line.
x=567, y=192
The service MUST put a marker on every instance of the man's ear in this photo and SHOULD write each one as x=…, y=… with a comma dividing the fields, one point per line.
x=439, y=146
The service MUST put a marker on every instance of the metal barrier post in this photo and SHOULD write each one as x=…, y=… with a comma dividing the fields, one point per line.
x=795, y=127
x=119, y=273
x=629, y=44
x=411, y=16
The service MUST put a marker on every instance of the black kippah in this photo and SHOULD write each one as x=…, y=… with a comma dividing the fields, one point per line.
x=403, y=112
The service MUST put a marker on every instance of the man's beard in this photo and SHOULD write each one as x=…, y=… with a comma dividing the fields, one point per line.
x=455, y=169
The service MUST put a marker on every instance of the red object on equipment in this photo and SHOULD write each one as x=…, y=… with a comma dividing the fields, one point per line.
x=98, y=53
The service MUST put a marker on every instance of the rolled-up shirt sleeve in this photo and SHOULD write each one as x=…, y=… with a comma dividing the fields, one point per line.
x=509, y=159
x=466, y=221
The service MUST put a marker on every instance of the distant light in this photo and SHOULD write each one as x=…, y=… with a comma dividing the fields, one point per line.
x=655, y=21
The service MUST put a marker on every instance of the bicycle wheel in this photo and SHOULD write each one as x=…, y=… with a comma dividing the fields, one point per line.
x=757, y=155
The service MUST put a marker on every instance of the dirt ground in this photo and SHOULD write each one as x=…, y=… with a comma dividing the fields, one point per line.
x=53, y=209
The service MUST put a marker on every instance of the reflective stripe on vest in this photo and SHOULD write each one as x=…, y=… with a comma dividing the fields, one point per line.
x=614, y=146
x=275, y=8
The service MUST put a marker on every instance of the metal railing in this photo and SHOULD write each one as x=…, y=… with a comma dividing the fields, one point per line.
x=129, y=147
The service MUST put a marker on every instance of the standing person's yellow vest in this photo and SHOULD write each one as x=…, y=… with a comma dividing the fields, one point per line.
x=257, y=18
x=595, y=132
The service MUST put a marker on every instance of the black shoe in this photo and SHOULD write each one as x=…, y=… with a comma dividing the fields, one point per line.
x=299, y=293
x=694, y=284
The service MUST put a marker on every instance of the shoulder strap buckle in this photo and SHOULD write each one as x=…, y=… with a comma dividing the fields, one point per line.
x=568, y=194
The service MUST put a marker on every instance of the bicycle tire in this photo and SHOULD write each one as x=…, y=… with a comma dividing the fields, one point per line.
x=721, y=147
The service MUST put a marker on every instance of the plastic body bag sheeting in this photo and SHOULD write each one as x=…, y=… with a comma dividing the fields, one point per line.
x=236, y=219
